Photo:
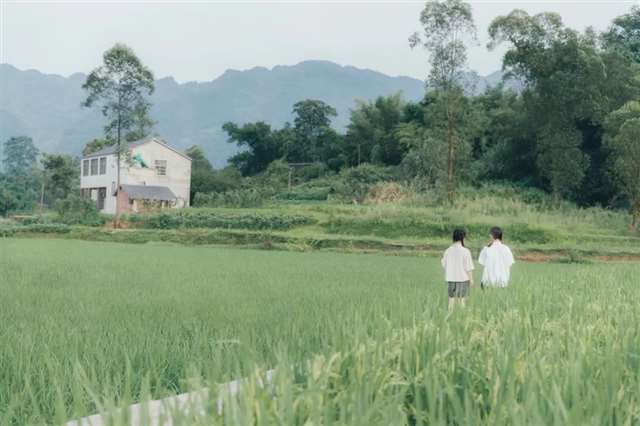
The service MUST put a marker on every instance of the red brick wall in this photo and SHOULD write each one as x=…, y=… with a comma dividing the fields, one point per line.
x=123, y=202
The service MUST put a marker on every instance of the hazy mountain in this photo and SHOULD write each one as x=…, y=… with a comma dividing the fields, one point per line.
x=47, y=107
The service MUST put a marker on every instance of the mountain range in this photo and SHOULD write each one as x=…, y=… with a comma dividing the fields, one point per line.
x=48, y=108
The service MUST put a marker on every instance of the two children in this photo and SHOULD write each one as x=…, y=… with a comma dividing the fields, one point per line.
x=496, y=258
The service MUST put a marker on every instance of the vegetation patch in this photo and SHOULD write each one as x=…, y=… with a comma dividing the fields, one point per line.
x=204, y=218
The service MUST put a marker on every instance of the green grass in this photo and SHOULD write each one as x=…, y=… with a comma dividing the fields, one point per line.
x=356, y=339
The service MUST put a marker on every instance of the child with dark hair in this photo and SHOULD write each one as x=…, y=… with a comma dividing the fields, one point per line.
x=497, y=260
x=458, y=269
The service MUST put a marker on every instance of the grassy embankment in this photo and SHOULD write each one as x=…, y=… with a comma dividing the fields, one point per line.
x=416, y=226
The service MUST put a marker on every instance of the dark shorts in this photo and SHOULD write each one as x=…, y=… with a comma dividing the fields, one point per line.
x=458, y=289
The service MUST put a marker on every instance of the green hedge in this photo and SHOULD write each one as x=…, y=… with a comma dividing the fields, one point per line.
x=219, y=219
x=40, y=228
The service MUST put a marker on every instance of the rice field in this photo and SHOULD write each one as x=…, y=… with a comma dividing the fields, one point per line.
x=355, y=339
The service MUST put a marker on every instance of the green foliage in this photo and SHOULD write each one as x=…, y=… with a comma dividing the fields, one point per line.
x=262, y=146
x=446, y=24
x=204, y=179
x=371, y=135
x=120, y=87
x=623, y=35
x=19, y=155
x=95, y=145
x=623, y=139
x=21, y=180
x=34, y=228
x=353, y=184
x=312, y=129
x=571, y=88
x=237, y=198
x=75, y=210
x=202, y=218
x=60, y=174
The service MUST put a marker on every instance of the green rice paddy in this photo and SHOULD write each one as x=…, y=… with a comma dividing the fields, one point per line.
x=355, y=339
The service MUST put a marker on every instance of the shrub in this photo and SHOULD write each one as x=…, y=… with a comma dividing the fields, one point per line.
x=316, y=190
x=354, y=183
x=388, y=192
x=37, y=228
x=75, y=210
x=216, y=219
x=240, y=198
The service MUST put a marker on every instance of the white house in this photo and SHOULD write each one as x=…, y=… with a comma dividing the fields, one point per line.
x=155, y=176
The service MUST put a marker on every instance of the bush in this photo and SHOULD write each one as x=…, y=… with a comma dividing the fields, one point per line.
x=353, y=184
x=388, y=192
x=75, y=210
x=240, y=198
x=36, y=228
x=217, y=219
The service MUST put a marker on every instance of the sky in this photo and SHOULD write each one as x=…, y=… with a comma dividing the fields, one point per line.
x=199, y=40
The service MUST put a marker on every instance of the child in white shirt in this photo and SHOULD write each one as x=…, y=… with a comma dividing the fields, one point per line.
x=497, y=260
x=458, y=269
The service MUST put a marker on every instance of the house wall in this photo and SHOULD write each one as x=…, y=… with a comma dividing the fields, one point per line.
x=178, y=177
x=107, y=180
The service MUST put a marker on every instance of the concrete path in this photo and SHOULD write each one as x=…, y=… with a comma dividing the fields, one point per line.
x=159, y=412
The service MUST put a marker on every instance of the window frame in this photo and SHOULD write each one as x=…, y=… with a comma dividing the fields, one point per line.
x=94, y=170
x=85, y=167
x=161, y=167
x=102, y=166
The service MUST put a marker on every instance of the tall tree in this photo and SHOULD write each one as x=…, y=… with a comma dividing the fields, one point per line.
x=120, y=87
x=371, y=133
x=20, y=156
x=59, y=177
x=312, y=128
x=571, y=85
x=623, y=138
x=624, y=34
x=446, y=25
x=21, y=176
x=262, y=146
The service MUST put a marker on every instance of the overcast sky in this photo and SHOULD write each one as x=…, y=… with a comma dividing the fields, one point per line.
x=199, y=40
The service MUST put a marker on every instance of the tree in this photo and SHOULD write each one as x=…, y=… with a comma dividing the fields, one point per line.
x=120, y=87
x=95, y=145
x=624, y=35
x=20, y=156
x=204, y=179
x=20, y=182
x=571, y=85
x=371, y=133
x=446, y=24
x=623, y=138
x=262, y=144
x=313, y=133
x=59, y=177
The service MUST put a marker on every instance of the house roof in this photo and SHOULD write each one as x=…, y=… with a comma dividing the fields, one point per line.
x=148, y=192
x=109, y=150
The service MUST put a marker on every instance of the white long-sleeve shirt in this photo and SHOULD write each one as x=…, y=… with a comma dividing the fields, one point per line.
x=497, y=260
x=457, y=263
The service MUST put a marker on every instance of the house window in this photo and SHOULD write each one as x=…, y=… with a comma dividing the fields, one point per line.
x=94, y=166
x=103, y=165
x=85, y=167
x=161, y=167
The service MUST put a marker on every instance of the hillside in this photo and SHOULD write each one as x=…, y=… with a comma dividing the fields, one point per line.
x=47, y=107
